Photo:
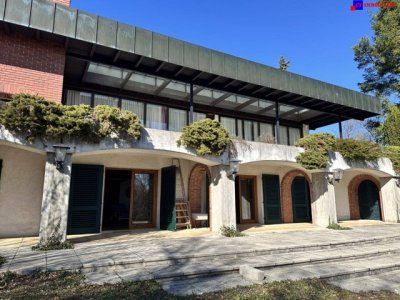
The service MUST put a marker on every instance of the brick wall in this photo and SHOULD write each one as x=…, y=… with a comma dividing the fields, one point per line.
x=353, y=195
x=194, y=191
x=286, y=194
x=31, y=66
x=63, y=2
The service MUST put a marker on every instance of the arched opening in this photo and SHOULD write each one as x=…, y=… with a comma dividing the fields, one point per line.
x=199, y=196
x=364, y=198
x=296, y=197
x=301, y=200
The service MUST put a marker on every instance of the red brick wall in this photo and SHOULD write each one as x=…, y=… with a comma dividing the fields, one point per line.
x=353, y=195
x=63, y=2
x=31, y=66
x=194, y=191
x=286, y=194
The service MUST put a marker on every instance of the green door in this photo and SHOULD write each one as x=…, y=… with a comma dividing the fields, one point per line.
x=368, y=200
x=301, y=200
x=272, y=199
x=84, y=212
x=167, y=205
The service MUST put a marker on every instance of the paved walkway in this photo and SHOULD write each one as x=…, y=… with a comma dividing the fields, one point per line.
x=300, y=254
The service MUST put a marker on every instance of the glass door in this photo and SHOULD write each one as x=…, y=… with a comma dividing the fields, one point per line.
x=143, y=199
x=247, y=195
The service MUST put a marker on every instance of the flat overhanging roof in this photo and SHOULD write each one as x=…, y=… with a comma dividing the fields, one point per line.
x=91, y=40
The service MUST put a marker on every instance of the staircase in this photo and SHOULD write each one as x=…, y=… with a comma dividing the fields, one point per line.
x=181, y=203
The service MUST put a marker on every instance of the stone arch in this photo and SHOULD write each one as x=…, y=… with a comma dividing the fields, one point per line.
x=286, y=194
x=353, y=194
x=194, y=189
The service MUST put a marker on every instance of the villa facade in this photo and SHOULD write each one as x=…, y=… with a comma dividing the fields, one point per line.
x=73, y=57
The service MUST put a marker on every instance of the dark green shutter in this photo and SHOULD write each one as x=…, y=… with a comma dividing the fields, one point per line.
x=84, y=212
x=272, y=199
x=368, y=200
x=300, y=200
x=167, y=205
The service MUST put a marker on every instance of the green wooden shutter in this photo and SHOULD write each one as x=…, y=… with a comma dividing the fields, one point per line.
x=368, y=200
x=300, y=200
x=167, y=205
x=84, y=212
x=272, y=199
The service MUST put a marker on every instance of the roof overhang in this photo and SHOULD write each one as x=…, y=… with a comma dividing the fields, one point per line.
x=92, y=39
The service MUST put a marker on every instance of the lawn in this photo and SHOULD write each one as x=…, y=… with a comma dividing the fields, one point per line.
x=62, y=285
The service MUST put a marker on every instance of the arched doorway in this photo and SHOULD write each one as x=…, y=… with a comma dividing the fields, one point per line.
x=199, y=195
x=301, y=200
x=365, y=198
x=296, y=197
x=368, y=200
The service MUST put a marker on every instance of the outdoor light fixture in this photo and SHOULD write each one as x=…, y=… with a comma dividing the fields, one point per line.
x=335, y=176
x=234, y=167
x=60, y=151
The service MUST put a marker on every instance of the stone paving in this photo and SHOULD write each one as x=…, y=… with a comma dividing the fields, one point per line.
x=214, y=260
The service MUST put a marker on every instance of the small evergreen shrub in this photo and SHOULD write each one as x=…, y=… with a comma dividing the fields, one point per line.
x=336, y=226
x=312, y=160
x=317, y=147
x=53, y=243
x=358, y=150
x=393, y=153
x=207, y=137
x=35, y=117
x=230, y=231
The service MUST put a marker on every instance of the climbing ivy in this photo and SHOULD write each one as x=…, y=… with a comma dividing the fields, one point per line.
x=207, y=137
x=35, y=117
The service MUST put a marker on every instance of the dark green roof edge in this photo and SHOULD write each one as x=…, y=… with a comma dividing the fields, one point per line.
x=76, y=24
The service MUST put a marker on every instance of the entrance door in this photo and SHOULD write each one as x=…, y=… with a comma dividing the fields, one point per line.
x=368, y=200
x=301, y=200
x=143, y=199
x=85, y=199
x=246, y=199
x=272, y=199
x=167, y=205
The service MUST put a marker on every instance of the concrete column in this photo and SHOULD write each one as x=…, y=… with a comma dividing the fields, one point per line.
x=223, y=208
x=55, y=199
x=390, y=197
x=323, y=206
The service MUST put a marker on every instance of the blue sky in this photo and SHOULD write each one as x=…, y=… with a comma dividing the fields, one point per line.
x=316, y=36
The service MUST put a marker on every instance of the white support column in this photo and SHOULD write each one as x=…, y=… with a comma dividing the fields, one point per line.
x=390, y=197
x=55, y=199
x=323, y=206
x=223, y=208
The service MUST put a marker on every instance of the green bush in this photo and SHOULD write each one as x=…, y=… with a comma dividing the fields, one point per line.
x=312, y=159
x=206, y=137
x=321, y=142
x=393, y=153
x=53, y=243
x=358, y=150
x=230, y=231
x=336, y=226
x=35, y=117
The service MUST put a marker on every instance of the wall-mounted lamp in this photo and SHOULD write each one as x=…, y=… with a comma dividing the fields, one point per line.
x=60, y=151
x=335, y=176
x=233, y=167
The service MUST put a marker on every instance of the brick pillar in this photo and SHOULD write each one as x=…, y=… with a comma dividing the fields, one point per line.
x=54, y=215
x=223, y=198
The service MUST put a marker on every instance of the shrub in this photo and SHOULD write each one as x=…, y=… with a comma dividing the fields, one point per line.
x=2, y=260
x=230, y=231
x=312, y=159
x=322, y=142
x=358, y=150
x=336, y=226
x=393, y=153
x=206, y=137
x=53, y=243
x=35, y=117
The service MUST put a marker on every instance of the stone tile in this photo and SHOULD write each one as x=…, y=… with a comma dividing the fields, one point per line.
x=28, y=262
x=294, y=273
x=134, y=275
x=102, y=277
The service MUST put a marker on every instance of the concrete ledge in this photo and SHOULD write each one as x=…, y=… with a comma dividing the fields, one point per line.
x=251, y=273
